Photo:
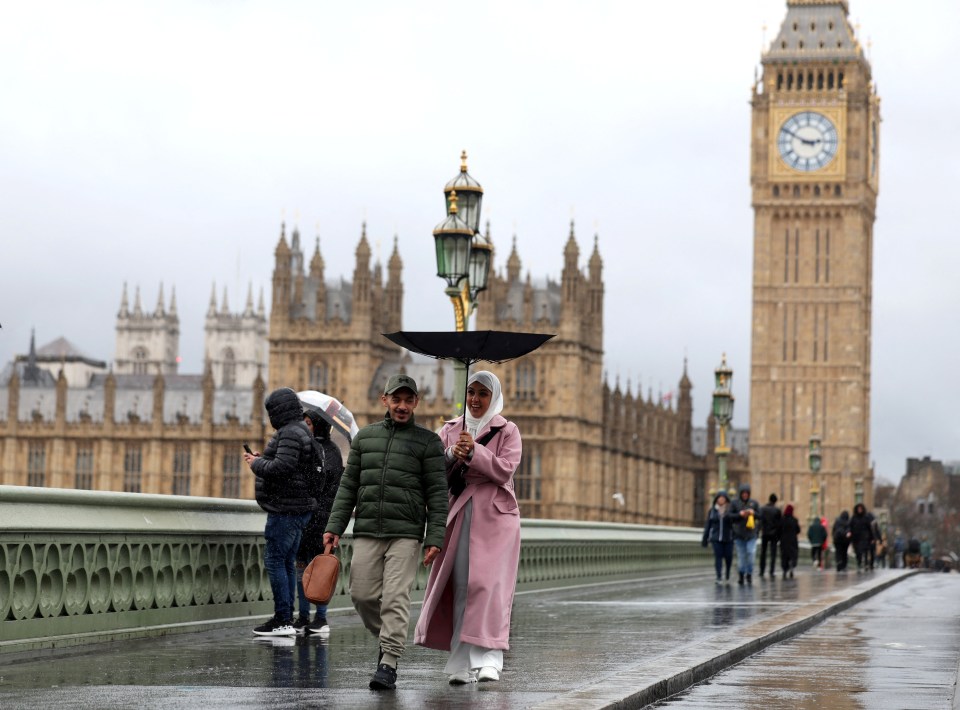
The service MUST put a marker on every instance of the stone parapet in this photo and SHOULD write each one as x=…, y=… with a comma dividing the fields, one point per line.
x=85, y=566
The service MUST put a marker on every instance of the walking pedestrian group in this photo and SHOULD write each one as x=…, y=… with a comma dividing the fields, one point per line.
x=406, y=489
x=742, y=523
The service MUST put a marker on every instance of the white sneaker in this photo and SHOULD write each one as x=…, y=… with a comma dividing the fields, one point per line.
x=463, y=677
x=488, y=673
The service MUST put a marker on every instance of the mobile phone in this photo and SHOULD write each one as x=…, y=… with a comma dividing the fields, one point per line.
x=247, y=449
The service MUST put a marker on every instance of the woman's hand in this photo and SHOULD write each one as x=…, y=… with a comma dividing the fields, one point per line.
x=463, y=449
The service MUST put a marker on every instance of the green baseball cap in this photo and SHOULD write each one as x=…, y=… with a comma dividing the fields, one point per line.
x=398, y=382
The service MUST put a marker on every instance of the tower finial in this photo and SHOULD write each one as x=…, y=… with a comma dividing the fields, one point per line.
x=463, y=161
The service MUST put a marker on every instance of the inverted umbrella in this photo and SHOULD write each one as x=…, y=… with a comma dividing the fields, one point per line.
x=469, y=346
x=332, y=411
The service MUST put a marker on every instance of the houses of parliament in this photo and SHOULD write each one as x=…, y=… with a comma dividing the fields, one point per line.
x=592, y=451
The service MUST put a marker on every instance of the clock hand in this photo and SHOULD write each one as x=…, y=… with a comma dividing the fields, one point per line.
x=805, y=141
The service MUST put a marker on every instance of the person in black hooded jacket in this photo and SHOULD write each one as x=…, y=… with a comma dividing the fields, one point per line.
x=841, y=539
x=283, y=490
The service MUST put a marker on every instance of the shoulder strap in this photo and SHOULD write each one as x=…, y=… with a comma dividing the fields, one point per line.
x=488, y=437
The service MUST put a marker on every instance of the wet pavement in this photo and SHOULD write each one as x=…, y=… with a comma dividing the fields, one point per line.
x=899, y=649
x=577, y=647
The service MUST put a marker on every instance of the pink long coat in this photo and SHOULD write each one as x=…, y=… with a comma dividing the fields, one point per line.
x=494, y=546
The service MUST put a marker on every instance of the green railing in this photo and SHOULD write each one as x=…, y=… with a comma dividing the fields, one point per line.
x=83, y=566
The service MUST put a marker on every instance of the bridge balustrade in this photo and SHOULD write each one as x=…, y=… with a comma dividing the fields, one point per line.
x=87, y=566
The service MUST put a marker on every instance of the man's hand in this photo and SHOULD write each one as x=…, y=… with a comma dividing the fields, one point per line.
x=250, y=457
x=330, y=539
x=429, y=554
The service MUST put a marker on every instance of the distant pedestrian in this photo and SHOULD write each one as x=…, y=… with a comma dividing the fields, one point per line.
x=841, y=539
x=877, y=536
x=817, y=535
x=789, y=545
x=899, y=548
x=926, y=551
x=718, y=531
x=861, y=535
x=745, y=510
x=912, y=555
x=883, y=551
x=770, y=518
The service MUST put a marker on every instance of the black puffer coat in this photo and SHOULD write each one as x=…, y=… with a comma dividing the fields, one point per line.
x=283, y=471
x=325, y=483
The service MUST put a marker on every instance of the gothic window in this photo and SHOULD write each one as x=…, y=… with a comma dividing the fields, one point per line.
x=140, y=361
x=84, y=468
x=526, y=480
x=319, y=376
x=231, y=475
x=132, y=469
x=229, y=368
x=181, y=470
x=526, y=381
x=37, y=463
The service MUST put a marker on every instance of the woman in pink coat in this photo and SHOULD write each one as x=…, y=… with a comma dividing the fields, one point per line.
x=469, y=594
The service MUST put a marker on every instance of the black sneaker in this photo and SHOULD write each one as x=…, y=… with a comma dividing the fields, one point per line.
x=319, y=626
x=301, y=624
x=384, y=679
x=276, y=627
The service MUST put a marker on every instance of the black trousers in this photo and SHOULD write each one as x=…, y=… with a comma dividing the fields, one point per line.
x=768, y=541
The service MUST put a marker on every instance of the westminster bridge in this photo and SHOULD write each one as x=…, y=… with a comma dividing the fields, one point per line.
x=112, y=600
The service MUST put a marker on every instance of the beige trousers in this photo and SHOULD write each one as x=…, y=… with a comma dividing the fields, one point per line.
x=382, y=573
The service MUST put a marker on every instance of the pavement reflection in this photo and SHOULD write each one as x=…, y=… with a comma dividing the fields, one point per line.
x=571, y=647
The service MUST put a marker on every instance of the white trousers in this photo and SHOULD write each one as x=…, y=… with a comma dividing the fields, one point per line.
x=466, y=656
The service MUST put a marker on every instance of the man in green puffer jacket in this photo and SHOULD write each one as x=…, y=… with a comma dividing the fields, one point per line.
x=395, y=478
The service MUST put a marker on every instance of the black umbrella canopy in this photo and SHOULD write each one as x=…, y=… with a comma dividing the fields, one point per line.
x=469, y=346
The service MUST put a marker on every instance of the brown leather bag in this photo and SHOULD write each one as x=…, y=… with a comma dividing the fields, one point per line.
x=320, y=576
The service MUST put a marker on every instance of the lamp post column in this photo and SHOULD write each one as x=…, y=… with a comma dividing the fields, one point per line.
x=814, y=459
x=463, y=259
x=723, y=401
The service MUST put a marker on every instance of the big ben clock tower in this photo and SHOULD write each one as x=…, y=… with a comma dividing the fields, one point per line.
x=814, y=177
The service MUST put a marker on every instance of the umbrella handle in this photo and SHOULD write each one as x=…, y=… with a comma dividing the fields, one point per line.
x=466, y=380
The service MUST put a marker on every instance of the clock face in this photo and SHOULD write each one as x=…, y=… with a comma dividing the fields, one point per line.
x=807, y=141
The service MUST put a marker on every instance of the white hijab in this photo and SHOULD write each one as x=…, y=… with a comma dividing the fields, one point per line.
x=490, y=381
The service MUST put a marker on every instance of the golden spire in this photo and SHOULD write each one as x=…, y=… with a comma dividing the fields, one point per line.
x=463, y=161
x=453, y=200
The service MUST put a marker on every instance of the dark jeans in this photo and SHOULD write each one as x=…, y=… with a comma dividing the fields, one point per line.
x=768, y=541
x=841, y=550
x=723, y=552
x=282, y=534
x=816, y=554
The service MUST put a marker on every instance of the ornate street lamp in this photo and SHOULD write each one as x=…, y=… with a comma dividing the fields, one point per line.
x=814, y=459
x=464, y=256
x=723, y=400
x=469, y=194
x=453, y=239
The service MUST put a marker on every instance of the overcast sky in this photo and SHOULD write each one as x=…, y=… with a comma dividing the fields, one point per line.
x=165, y=142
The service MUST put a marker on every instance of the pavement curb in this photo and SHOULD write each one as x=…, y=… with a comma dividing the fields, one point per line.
x=658, y=679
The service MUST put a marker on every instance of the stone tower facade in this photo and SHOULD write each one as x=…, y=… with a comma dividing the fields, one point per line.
x=147, y=343
x=555, y=393
x=235, y=344
x=814, y=177
x=327, y=335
